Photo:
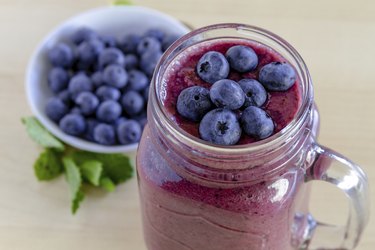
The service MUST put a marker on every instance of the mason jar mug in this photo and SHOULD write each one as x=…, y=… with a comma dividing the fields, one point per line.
x=199, y=196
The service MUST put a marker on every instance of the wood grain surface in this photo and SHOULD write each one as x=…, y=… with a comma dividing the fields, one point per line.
x=336, y=39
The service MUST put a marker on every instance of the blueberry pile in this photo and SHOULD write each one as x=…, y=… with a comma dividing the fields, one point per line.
x=229, y=108
x=101, y=84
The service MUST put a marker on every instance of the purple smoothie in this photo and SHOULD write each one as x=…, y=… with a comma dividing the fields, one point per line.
x=181, y=212
x=281, y=106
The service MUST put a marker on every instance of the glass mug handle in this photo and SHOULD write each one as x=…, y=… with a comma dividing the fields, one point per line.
x=333, y=168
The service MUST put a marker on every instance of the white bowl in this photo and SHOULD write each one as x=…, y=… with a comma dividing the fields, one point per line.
x=111, y=20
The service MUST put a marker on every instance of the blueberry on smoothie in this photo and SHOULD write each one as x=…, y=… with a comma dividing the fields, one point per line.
x=104, y=134
x=213, y=66
x=79, y=83
x=242, y=58
x=194, y=102
x=255, y=94
x=277, y=76
x=108, y=111
x=83, y=34
x=58, y=79
x=73, y=124
x=256, y=122
x=220, y=126
x=227, y=94
x=87, y=102
x=56, y=109
x=108, y=93
x=129, y=131
x=61, y=55
x=115, y=75
x=111, y=56
x=132, y=102
x=137, y=80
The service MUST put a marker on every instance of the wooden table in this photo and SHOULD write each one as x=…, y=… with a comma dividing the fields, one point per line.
x=336, y=39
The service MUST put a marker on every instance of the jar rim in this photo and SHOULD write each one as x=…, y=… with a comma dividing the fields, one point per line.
x=270, y=142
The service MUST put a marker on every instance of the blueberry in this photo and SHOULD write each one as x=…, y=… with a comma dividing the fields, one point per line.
x=277, y=76
x=97, y=79
x=194, y=102
x=61, y=55
x=88, y=51
x=212, y=67
x=132, y=102
x=129, y=43
x=79, y=83
x=242, y=58
x=108, y=41
x=108, y=111
x=227, y=94
x=129, y=132
x=111, y=56
x=255, y=94
x=76, y=110
x=56, y=109
x=131, y=61
x=168, y=40
x=87, y=102
x=104, y=134
x=119, y=121
x=115, y=76
x=58, y=79
x=108, y=93
x=256, y=122
x=90, y=126
x=148, y=44
x=83, y=34
x=145, y=93
x=137, y=80
x=220, y=126
x=142, y=122
x=141, y=119
x=64, y=96
x=149, y=61
x=155, y=33
x=73, y=124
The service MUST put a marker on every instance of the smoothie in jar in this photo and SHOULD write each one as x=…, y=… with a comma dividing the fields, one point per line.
x=200, y=199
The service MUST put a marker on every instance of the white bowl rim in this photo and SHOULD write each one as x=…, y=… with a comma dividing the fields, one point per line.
x=45, y=121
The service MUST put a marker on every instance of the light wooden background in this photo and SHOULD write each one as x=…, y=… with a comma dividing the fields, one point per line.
x=336, y=39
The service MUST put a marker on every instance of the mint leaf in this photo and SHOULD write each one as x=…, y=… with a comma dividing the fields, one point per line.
x=73, y=177
x=80, y=196
x=122, y=2
x=40, y=135
x=107, y=184
x=91, y=171
x=116, y=166
x=48, y=165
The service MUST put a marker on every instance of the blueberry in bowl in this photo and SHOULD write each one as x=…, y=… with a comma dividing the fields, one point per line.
x=88, y=80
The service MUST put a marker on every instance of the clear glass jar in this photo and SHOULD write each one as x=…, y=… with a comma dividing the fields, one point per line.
x=195, y=196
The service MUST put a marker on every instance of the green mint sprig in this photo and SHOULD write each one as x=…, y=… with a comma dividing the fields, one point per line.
x=80, y=167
